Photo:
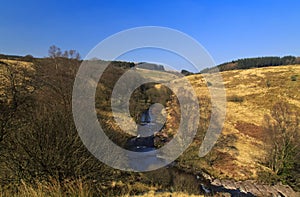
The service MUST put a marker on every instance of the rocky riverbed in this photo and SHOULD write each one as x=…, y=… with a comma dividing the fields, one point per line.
x=145, y=142
x=247, y=188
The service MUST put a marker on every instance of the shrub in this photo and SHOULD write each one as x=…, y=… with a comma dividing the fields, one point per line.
x=235, y=99
x=268, y=83
x=209, y=84
x=282, y=129
x=267, y=177
x=294, y=78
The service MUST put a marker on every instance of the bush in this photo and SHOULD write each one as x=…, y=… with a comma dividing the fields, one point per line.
x=294, y=78
x=209, y=84
x=235, y=99
x=282, y=129
x=50, y=147
x=267, y=177
x=268, y=83
x=28, y=58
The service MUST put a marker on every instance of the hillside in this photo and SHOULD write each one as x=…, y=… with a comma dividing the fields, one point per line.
x=39, y=100
x=256, y=62
x=242, y=149
x=250, y=96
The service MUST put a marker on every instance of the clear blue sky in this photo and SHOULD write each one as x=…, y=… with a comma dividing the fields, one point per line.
x=227, y=29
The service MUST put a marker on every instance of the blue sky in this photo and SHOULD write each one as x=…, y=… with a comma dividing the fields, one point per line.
x=227, y=29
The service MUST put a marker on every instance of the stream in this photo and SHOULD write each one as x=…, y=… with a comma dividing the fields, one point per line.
x=144, y=142
x=191, y=182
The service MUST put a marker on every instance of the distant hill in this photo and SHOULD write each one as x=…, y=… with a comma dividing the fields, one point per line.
x=150, y=66
x=256, y=62
x=27, y=58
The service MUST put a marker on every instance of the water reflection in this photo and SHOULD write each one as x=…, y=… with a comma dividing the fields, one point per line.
x=144, y=141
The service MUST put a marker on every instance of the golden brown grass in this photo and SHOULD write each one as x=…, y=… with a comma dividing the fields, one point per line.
x=80, y=188
x=166, y=194
x=258, y=90
x=17, y=67
x=155, y=75
x=53, y=188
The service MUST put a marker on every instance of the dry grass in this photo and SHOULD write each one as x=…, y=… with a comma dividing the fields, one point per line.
x=23, y=64
x=78, y=188
x=155, y=75
x=53, y=188
x=257, y=90
x=17, y=67
x=166, y=194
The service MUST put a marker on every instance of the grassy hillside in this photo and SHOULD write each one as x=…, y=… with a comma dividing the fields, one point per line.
x=36, y=123
x=250, y=96
x=241, y=150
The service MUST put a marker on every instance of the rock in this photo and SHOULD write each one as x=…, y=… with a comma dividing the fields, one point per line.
x=251, y=188
x=228, y=184
x=216, y=182
x=240, y=186
x=141, y=141
x=207, y=176
x=285, y=190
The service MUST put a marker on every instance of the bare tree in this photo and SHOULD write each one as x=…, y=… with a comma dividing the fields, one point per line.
x=282, y=127
x=56, y=76
x=40, y=140
x=55, y=52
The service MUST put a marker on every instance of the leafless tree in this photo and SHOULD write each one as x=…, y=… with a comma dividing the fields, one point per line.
x=282, y=127
x=55, y=52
